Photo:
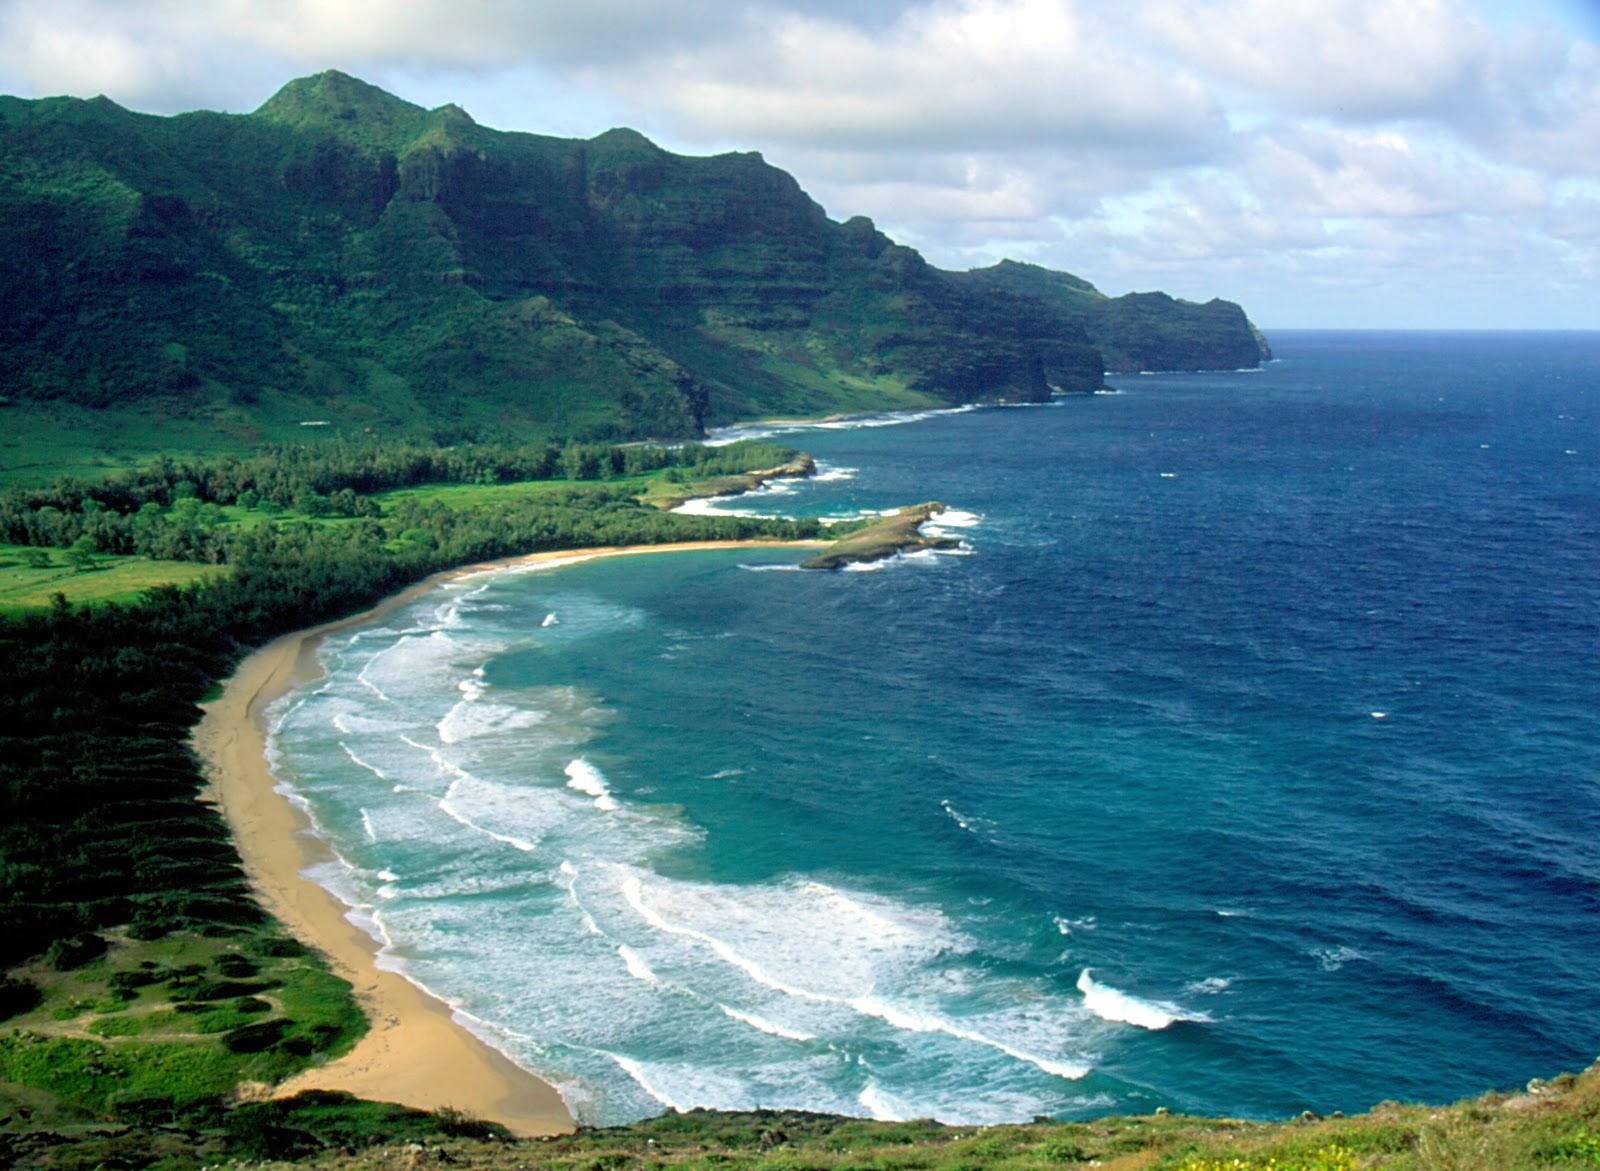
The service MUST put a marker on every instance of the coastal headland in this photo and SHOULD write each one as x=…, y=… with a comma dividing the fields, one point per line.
x=899, y=532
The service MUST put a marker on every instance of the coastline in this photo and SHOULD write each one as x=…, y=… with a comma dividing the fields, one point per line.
x=414, y=1052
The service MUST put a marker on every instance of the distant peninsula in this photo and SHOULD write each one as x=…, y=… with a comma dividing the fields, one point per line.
x=346, y=258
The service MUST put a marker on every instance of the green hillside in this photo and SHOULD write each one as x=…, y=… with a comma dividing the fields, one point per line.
x=344, y=261
x=1139, y=331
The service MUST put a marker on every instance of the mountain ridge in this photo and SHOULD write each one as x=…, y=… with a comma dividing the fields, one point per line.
x=343, y=253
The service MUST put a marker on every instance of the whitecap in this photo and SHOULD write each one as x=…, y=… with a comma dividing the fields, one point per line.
x=1112, y=1004
x=356, y=760
x=917, y=1021
x=766, y=1026
x=956, y=817
x=956, y=518
x=881, y=1106
x=828, y=473
x=1331, y=959
x=471, y=718
x=637, y=968
x=585, y=778
x=636, y=1070
x=549, y=620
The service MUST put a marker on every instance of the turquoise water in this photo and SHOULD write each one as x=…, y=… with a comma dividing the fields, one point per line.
x=1244, y=760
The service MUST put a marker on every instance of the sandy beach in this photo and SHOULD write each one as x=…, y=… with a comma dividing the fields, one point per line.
x=414, y=1052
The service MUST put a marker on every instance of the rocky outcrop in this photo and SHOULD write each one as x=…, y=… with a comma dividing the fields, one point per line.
x=888, y=537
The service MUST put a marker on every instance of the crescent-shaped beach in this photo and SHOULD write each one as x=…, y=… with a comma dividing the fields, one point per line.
x=415, y=1051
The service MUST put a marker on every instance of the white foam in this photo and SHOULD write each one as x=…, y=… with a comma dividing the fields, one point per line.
x=636, y=1071
x=354, y=759
x=1331, y=959
x=1068, y=926
x=766, y=1026
x=549, y=620
x=637, y=968
x=633, y=891
x=979, y=827
x=366, y=826
x=828, y=474
x=956, y=518
x=1112, y=1004
x=448, y=808
x=725, y=435
x=712, y=506
x=915, y=1021
x=1210, y=986
x=880, y=1105
x=585, y=778
x=472, y=718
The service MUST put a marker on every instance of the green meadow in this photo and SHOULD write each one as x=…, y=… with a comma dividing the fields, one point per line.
x=30, y=576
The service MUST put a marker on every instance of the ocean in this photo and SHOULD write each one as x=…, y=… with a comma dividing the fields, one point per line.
x=1243, y=761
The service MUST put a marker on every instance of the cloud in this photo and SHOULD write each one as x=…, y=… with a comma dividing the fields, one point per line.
x=992, y=75
x=1355, y=58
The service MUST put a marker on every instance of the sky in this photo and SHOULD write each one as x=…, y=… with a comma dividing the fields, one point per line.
x=1422, y=164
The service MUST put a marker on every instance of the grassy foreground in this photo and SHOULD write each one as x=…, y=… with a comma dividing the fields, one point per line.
x=1552, y=1126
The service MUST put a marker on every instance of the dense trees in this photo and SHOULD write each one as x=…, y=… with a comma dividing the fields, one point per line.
x=173, y=509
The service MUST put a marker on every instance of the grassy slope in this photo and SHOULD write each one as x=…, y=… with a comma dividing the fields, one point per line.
x=109, y=579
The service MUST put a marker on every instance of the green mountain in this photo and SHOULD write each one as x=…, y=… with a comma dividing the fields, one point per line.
x=345, y=258
x=1139, y=331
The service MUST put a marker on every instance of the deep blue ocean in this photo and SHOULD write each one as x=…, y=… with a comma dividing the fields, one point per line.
x=1244, y=761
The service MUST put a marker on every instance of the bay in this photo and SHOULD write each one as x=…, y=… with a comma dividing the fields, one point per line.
x=1244, y=761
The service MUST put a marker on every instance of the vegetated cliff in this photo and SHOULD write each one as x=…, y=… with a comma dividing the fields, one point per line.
x=1139, y=331
x=341, y=255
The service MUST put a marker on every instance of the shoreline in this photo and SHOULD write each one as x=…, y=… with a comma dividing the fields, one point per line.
x=414, y=1052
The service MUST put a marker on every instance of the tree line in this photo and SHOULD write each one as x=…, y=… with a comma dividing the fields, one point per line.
x=173, y=508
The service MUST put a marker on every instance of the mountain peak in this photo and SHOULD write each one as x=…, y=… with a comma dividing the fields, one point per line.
x=334, y=100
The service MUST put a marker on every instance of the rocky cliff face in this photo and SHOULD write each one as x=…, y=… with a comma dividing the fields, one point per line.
x=343, y=253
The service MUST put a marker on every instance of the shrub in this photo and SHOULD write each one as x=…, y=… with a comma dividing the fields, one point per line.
x=75, y=950
x=18, y=997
